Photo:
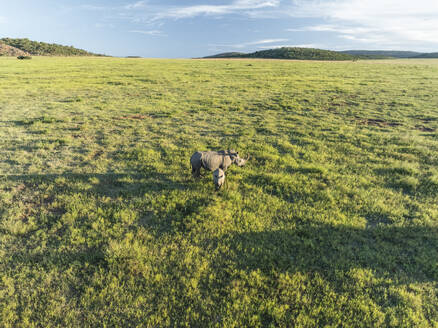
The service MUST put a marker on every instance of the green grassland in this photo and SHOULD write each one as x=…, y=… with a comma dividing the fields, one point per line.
x=333, y=222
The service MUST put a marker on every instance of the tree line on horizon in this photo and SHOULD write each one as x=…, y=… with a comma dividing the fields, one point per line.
x=45, y=49
x=290, y=53
x=320, y=54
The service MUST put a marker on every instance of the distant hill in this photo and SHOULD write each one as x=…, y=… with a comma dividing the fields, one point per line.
x=44, y=49
x=290, y=53
x=428, y=55
x=319, y=54
x=227, y=55
x=6, y=50
x=382, y=53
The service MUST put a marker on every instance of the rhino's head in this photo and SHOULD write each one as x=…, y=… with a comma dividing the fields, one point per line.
x=218, y=178
x=238, y=160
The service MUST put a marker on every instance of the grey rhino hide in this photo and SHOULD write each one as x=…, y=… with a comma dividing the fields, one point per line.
x=211, y=160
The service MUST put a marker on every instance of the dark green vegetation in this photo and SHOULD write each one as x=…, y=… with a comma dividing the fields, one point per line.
x=333, y=222
x=290, y=53
x=300, y=53
x=319, y=54
x=383, y=53
x=44, y=49
x=24, y=57
x=233, y=54
x=428, y=55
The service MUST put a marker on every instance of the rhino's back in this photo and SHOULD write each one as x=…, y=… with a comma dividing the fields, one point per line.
x=212, y=160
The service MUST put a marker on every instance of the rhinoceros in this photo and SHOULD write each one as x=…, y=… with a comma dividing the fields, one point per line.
x=212, y=160
x=218, y=178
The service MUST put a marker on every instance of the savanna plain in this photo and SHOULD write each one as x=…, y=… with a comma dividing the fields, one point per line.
x=333, y=222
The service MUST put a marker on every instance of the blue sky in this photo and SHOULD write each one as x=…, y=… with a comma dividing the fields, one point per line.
x=193, y=28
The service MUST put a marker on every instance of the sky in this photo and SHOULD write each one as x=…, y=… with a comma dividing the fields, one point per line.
x=196, y=28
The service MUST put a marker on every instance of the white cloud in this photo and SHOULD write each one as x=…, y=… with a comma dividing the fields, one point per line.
x=136, y=5
x=246, y=44
x=151, y=32
x=265, y=41
x=307, y=45
x=237, y=6
x=332, y=28
x=155, y=14
x=384, y=22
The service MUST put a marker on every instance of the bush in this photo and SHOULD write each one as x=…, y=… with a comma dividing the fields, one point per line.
x=24, y=57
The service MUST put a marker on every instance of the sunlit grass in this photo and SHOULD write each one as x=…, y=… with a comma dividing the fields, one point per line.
x=332, y=223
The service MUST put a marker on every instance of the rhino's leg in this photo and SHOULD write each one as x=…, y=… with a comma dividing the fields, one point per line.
x=196, y=163
x=225, y=165
x=196, y=172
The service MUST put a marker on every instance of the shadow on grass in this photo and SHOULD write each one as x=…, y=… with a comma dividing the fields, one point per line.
x=75, y=243
x=117, y=186
x=273, y=184
x=60, y=258
x=405, y=254
x=408, y=182
x=101, y=184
